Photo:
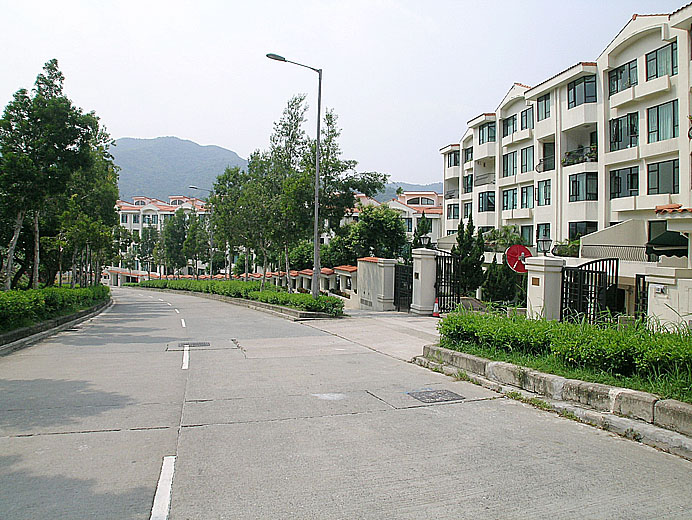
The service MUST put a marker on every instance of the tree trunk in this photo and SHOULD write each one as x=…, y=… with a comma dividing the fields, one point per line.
x=247, y=261
x=34, y=278
x=10, y=249
x=264, y=269
x=288, y=276
x=17, y=276
x=74, y=268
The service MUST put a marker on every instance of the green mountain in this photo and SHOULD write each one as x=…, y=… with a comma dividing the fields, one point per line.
x=167, y=166
x=391, y=187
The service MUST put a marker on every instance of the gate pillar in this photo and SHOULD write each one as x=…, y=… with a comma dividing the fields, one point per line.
x=544, y=289
x=424, y=275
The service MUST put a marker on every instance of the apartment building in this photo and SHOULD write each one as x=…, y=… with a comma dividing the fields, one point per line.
x=590, y=152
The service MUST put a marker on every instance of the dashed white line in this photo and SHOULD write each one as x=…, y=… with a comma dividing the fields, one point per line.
x=162, y=499
x=169, y=304
x=182, y=322
x=186, y=357
x=160, y=299
x=150, y=296
x=176, y=310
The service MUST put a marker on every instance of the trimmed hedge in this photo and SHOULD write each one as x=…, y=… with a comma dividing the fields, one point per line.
x=251, y=291
x=632, y=350
x=23, y=308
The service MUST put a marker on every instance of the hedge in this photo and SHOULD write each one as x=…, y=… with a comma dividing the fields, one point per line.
x=251, y=291
x=628, y=351
x=23, y=308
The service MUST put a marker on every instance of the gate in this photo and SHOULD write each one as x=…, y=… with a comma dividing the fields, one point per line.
x=590, y=291
x=447, y=284
x=641, y=296
x=403, y=286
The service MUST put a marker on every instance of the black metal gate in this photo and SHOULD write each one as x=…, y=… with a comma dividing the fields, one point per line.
x=590, y=291
x=403, y=286
x=641, y=296
x=447, y=282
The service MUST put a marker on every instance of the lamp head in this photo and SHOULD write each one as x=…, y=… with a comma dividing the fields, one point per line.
x=193, y=187
x=275, y=57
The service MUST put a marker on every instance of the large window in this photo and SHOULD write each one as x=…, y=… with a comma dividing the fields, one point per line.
x=624, y=182
x=509, y=164
x=408, y=222
x=527, y=118
x=467, y=209
x=509, y=126
x=579, y=229
x=664, y=177
x=544, y=193
x=527, y=159
x=468, y=154
x=123, y=217
x=543, y=231
x=543, y=104
x=662, y=61
x=486, y=133
x=486, y=201
x=663, y=121
x=526, y=197
x=583, y=186
x=468, y=183
x=548, y=157
x=150, y=219
x=624, y=132
x=452, y=159
x=623, y=77
x=135, y=219
x=580, y=91
x=452, y=211
x=509, y=199
x=527, y=235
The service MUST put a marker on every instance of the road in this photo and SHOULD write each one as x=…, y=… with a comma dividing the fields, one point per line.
x=277, y=419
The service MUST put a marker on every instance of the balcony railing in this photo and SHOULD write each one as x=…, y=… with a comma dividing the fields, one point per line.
x=580, y=155
x=627, y=253
x=452, y=194
x=546, y=164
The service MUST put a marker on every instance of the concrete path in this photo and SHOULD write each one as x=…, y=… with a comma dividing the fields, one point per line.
x=276, y=419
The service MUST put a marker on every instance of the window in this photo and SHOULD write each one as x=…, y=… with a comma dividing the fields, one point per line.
x=135, y=219
x=409, y=224
x=468, y=183
x=486, y=201
x=543, y=104
x=468, y=154
x=663, y=121
x=662, y=61
x=123, y=217
x=583, y=186
x=509, y=164
x=452, y=159
x=486, y=133
x=548, y=157
x=542, y=231
x=139, y=203
x=467, y=209
x=527, y=118
x=527, y=159
x=664, y=177
x=509, y=126
x=420, y=201
x=452, y=211
x=526, y=197
x=624, y=132
x=509, y=199
x=623, y=77
x=579, y=229
x=154, y=219
x=624, y=182
x=482, y=230
x=527, y=235
x=580, y=91
x=544, y=193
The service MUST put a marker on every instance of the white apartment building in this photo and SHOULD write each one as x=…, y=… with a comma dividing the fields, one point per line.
x=598, y=144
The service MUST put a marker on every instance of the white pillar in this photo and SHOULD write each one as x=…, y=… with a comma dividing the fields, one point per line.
x=424, y=276
x=544, y=290
x=385, y=296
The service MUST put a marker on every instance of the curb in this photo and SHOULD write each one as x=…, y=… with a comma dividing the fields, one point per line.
x=29, y=336
x=630, y=413
x=276, y=310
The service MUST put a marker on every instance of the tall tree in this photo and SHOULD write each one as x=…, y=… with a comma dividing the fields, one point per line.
x=469, y=250
x=174, y=234
x=148, y=240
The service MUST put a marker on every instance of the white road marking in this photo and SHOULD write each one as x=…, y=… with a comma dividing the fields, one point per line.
x=176, y=310
x=182, y=322
x=169, y=304
x=162, y=499
x=150, y=296
x=186, y=357
x=160, y=300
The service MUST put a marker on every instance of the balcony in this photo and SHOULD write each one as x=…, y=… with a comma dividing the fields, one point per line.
x=546, y=164
x=626, y=253
x=451, y=194
x=580, y=155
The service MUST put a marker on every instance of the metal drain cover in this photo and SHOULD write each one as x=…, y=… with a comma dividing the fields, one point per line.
x=194, y=344
x=436, y=396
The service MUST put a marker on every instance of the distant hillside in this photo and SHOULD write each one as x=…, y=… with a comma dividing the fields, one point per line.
x=391, y=187
x=167, y=166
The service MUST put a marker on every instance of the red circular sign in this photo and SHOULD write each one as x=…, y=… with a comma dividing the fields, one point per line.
x=515, y=256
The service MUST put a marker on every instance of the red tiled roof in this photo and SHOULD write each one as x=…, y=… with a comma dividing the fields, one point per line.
x=346, y=268
x=671, y=208
x=307, y=272
x=327, y=271
x=521, y=85
x=369, y=259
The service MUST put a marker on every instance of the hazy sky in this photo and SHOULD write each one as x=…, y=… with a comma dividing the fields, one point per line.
x=403, y=76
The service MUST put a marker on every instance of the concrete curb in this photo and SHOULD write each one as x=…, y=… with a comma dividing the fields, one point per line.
x=35, y=333
x=611, y=408
x=276, y=310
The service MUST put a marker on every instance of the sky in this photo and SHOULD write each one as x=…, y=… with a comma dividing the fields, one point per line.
x=403, y=77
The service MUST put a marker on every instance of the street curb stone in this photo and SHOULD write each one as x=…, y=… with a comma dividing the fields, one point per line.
x=674, y=415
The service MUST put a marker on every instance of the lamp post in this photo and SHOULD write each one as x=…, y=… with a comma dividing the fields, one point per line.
x=211, y=234
x=316, y=237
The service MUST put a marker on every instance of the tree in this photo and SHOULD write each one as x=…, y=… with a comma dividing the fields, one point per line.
x=468, y=272
x=423, y=227
x=379, y=232
x=174, y=234
x=196, y=243
x=499, y=240
x=148, y=240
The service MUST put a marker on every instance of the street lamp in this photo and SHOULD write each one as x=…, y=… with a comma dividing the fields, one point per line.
x=543, y=245
x=425, y=240
x=316, y=237
x=211, y=234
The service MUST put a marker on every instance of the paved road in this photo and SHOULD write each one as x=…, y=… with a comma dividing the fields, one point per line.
x=276, y=419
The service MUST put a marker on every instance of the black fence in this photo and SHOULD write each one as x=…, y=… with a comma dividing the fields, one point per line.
x=447, y=281
x=641, y=296
x=590, y=291
x=403, y=287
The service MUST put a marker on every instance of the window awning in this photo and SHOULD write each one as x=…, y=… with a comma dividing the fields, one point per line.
x=668, y=243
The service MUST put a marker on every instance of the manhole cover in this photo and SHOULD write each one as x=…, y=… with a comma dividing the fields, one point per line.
x=194, y=344
x=436, y=396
